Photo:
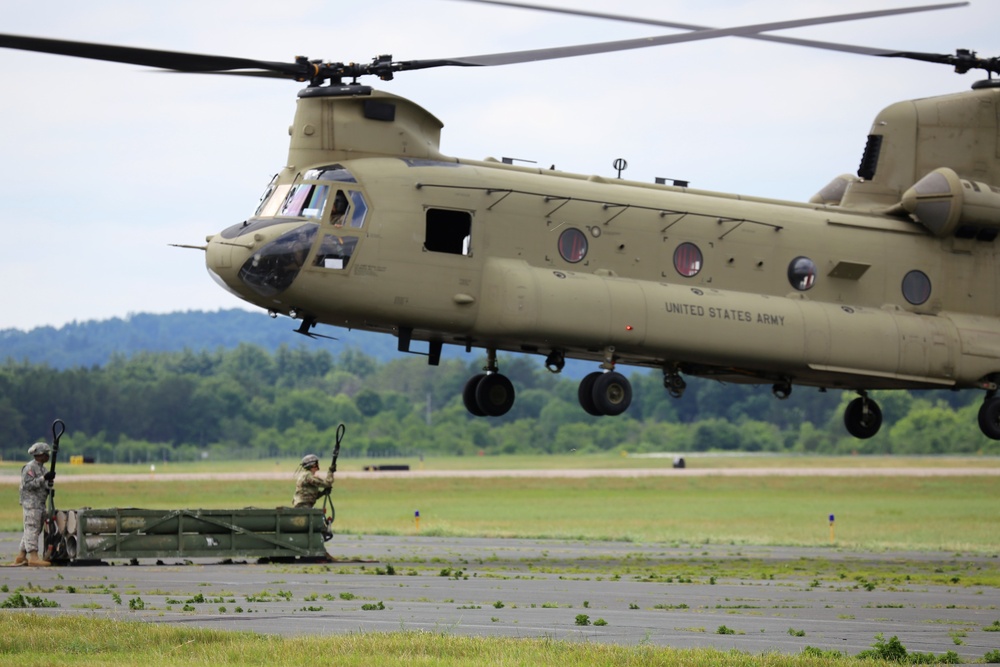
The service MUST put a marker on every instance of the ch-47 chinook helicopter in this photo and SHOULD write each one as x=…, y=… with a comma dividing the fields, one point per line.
x=883, y=280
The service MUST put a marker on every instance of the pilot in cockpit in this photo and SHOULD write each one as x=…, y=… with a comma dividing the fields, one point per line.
x=339, y=209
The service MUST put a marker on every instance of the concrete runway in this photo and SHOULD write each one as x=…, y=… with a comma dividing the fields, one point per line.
x=660, y=594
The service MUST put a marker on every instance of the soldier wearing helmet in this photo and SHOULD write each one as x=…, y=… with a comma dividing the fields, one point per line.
x=35, y=485
x=309, y=485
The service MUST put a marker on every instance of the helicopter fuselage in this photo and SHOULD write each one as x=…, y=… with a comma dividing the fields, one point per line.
x=371, y=228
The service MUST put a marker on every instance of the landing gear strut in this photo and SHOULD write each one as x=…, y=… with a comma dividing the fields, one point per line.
x=606, y=392
x=489, y=394
x=674, y=383
x=863, y=417
x=555, y=362
x=782, y=390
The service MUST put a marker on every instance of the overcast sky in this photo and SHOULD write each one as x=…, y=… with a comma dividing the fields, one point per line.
x=103, y=165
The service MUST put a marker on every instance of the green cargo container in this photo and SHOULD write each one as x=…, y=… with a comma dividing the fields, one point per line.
x=97, y=534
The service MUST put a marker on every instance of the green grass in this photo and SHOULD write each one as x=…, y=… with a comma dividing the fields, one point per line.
x=28, y=639
x=872, y=513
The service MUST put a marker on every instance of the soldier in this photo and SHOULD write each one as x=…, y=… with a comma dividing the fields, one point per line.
x=35, y=484
x=309, y=486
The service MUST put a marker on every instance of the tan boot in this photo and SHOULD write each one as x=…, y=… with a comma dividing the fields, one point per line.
x=35, y=561
x=20, y=559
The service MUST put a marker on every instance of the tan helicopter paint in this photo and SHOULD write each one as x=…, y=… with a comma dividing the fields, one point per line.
x=738, y=318
x=958, y=131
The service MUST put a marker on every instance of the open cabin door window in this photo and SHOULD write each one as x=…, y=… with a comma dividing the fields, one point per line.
x=448, y=231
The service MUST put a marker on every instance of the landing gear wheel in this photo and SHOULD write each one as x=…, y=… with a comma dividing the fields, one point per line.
x=989, y=418
x=586, y=394
x=469, y=395
x=495, y=395
x=863, y=418
x=612, y=393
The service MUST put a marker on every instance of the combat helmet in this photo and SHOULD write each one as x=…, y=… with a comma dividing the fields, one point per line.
x=310, y=460
x=39, y=449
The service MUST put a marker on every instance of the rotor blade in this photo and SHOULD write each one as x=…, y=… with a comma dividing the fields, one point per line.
x=513, y=57
x=172, y=60
x=795, y=41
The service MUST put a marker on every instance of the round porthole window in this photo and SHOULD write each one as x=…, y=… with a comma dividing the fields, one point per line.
x=916, y=287
x=572, y=245
x=802, y=273
x=687, y=260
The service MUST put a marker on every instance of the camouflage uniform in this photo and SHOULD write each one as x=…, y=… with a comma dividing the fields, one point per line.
x=309, y=487
x=34, y=493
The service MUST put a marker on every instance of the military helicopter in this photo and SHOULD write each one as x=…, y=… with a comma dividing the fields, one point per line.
x=876, y=283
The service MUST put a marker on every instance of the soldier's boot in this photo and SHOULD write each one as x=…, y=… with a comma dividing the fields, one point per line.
x=20, y=559
x=36, y=561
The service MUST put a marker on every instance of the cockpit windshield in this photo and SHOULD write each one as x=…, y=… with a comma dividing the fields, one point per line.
x=307, y=197
x=306, y=200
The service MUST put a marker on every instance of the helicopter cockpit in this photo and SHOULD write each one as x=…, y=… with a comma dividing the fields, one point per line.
x=323, y=204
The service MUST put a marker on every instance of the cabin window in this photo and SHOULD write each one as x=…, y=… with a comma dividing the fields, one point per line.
x=572, y=245
x=802, y=273
x=448, y=231
x=916, y=287
x=687, y=260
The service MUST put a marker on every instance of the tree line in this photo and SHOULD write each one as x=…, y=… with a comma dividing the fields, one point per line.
x=248, y=402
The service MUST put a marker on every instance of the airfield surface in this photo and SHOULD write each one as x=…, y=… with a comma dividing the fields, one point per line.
x=11, y=476
x=615, y=592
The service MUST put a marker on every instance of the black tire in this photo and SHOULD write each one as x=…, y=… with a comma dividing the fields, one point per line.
x=858, y=423
x=612, y=393
x=469, y=395
x=586, y=393
x=495, y=395
x=989, y=418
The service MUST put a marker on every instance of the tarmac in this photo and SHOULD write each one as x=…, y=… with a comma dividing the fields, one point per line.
x=762, y=599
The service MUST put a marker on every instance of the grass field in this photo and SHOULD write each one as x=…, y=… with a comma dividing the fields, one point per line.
x=29, y=639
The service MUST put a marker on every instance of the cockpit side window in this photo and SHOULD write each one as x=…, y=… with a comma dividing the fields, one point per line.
x=349, y=209
x=335, y=251
x=359, y=209
x=339, y=209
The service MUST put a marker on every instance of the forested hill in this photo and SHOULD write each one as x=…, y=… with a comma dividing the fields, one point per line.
x=239, y=384
x=92, y=343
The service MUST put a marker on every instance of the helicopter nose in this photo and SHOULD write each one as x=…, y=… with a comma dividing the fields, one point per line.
x=259, y=259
